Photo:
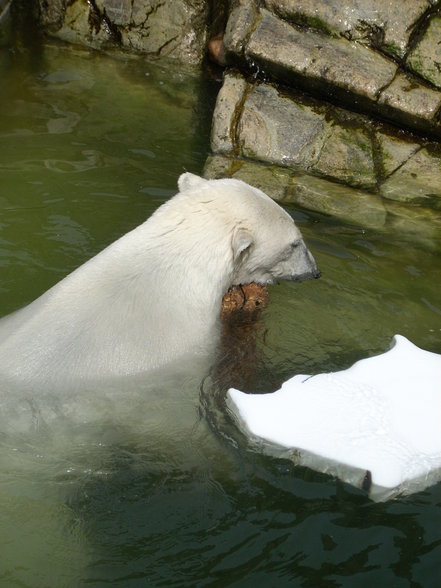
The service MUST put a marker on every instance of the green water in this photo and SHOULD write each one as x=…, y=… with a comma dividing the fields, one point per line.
x=89, y=147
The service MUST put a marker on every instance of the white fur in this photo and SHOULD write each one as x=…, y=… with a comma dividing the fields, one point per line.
x=156, y=292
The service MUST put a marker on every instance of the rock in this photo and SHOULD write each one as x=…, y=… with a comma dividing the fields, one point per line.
x=425, y=58
x=162, y=28
x=52, y=13
x=261, y=123
x=394, y=151
x=228, y=105
x=174, y=29
x=411, y=103
x=81, y=25
x=273, y=180
x=421, y=225
x=309, y=192
x=348, y=70
x=348, y=204
x=279, y=129
x=318, y=62
x=418, y=180
x=375, y=22
x=347, y=155
x=119, y=12
x=238, y=27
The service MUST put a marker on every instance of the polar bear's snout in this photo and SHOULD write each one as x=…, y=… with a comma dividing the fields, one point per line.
x=303, y=265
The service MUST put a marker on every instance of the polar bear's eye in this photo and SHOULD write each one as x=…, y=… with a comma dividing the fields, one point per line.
x=288, y=251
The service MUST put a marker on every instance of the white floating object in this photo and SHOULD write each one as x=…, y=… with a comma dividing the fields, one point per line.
x=375, y=425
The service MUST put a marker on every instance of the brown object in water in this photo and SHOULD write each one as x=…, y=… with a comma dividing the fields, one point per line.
x=244, y=299
x=216, y=50
x=240, y=353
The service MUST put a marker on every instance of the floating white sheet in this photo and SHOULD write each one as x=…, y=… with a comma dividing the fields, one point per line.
x=375, y=425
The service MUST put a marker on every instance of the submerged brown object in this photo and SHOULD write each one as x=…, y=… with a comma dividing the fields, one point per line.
x=216, y=50
x=245, y=299
x=242, y=333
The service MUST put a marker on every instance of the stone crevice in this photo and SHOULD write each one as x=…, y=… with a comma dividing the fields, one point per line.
x=419, y=28
x=235, y=121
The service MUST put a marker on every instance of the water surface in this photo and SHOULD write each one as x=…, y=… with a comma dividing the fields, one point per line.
x=157, y=488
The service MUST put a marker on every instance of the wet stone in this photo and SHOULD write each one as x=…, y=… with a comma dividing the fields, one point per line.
x=418, y=180
x=118, y=11
x=79, y=27
x=238, y=27
x=319, y=62
x=411, y=102
x=374, y=22
x=277, y=129
x=273, y=180
x=168, y=29
x=346, y=203
x=226, y=112
x=51, y=13
x=312, y=193
x=161, y=28
x=425, y=58
x=347, y=156
x=394, y=151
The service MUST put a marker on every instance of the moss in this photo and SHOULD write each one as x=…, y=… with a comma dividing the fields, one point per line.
x=392, y=50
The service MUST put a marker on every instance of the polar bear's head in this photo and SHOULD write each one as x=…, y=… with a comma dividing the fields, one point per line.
x=265, y=244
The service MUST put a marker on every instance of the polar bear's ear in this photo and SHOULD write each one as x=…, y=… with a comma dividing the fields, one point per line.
x=189, y=181
x=242, y=240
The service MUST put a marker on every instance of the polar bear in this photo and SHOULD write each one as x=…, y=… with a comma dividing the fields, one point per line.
x=156, y=292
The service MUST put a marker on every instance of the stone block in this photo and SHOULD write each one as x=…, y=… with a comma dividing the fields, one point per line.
x=238, y=28
x=119, y=12
x=174, y=29
x=417, y=181
x=80, y=27
x=343, y=202
x=309, y=192
x=319, y=62
x=273, y=180
x=226, y=113
x=162, y=28
x=375, y=22
x=347, y=156
x=407, y=100
x=394, y=151
x=277, y=129
x=425, y=58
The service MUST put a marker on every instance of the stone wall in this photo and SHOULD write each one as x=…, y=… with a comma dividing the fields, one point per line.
x=175, y=29
x=339, y=95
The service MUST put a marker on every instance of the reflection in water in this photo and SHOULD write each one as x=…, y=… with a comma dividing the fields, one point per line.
x=149, y=482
